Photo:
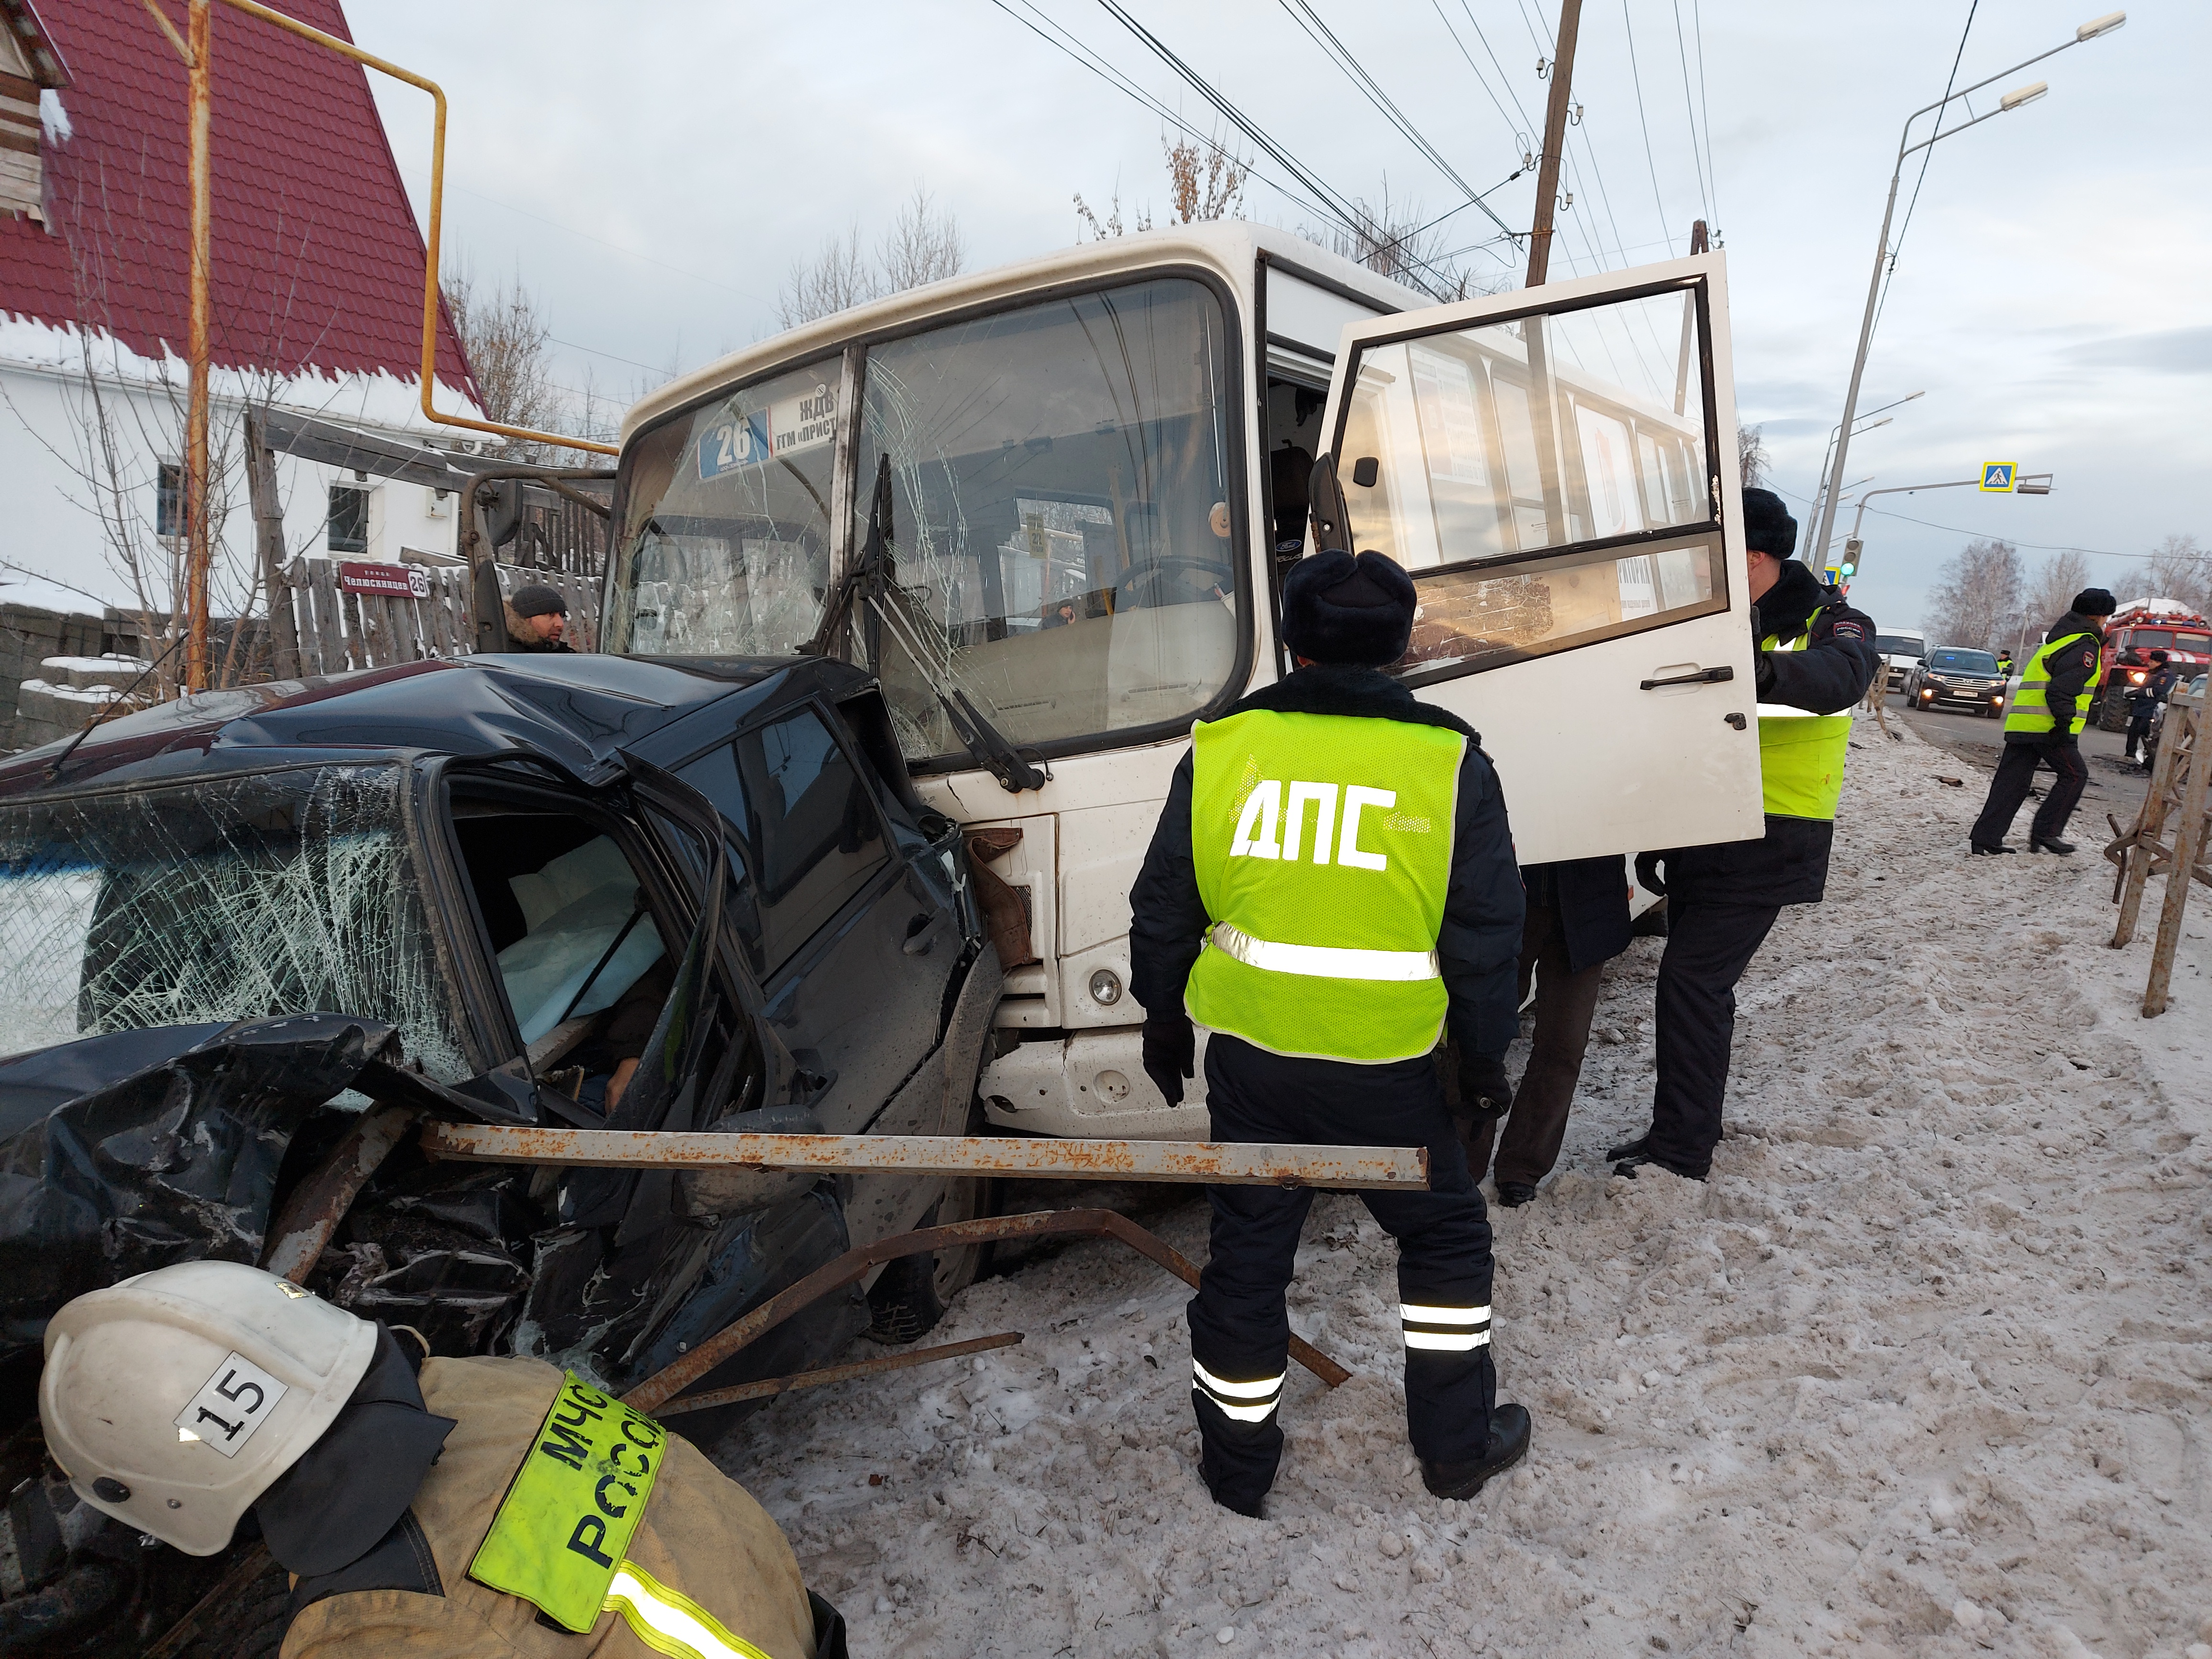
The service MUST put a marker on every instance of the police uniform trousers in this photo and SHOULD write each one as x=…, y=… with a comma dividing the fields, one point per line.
x=1239, y=1329
x=1708, y=947
x=2008, y=789
x=1566, y=1001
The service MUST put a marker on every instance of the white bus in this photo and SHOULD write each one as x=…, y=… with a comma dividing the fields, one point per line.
x=1064, y=493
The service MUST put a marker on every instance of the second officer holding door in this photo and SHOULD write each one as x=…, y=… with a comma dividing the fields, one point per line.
x=1331, y=879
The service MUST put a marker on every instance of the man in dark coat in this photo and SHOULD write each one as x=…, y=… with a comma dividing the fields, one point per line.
x=536, y=617
x=2043, y=728
x=2143, y=701
x=1816, y=658
x=1577, y=921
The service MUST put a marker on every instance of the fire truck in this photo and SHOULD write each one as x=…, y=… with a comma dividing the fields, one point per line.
x=2138, y=628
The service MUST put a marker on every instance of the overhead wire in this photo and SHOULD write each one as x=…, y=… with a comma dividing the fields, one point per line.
x=1636, y=76
x=1926, y=155
x=1697, y=22
x=1303, y=14
x=1690, y=108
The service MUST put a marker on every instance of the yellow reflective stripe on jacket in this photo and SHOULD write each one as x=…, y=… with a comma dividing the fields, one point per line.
x=669, y=1622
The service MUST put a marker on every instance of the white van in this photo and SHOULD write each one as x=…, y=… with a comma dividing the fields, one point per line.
x=1067, y=490
x=1901, y=653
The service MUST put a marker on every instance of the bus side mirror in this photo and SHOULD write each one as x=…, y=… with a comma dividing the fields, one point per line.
x=1365, y=471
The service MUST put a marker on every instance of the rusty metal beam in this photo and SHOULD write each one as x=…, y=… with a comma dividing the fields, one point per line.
x=664, y=1384
x=1227, y=1163
x=769, y=1387
x=317, y=1204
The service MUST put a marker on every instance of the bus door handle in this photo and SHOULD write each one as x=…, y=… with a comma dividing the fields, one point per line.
x=1703, y=677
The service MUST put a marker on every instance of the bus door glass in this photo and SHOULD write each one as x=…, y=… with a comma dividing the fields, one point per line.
x=1550, y=467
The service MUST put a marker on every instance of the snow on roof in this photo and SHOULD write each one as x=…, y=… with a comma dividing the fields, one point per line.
x=318, y=261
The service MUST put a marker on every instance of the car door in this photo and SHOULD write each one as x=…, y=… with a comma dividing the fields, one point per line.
x=1556, y=468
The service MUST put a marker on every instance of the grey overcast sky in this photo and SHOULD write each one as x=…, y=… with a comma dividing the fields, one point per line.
x=650, y=172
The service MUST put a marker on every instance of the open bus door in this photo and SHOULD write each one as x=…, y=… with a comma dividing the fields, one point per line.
x=1556, y=468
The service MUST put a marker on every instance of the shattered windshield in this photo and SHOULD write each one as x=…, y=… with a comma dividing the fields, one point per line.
x=236, y=897
x=725, y=545
x=1061, y=538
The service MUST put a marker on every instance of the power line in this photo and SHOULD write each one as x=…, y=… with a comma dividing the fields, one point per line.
x=1635, y=76
x=1481, y=80
x=1690, y=108
x=1698, y=20
x=1926, y=156
x=1957, y=530
x=1307, y=19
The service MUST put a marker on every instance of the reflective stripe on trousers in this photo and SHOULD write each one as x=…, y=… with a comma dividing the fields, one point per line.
x=1247, y=1402
x=1448, y=1330
x=1323, y=961
x=669, y=1622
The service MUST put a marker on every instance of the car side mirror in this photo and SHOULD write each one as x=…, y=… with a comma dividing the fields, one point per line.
x=1365, y=471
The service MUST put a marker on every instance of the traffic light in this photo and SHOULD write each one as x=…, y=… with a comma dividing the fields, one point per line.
x=1849, y=566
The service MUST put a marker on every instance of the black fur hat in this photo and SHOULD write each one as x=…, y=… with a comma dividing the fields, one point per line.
x=1339, y=609
x=1767, y=526
x=2094, y=602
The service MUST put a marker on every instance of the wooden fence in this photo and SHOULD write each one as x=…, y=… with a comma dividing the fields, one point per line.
x=337, y=630
x=2175, y=804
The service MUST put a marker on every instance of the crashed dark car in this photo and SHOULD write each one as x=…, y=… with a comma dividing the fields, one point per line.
x=253, y=936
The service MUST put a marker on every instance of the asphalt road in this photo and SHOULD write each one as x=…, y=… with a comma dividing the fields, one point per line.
x=2115, y=786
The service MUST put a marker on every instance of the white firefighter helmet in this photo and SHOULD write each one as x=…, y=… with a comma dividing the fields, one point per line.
x=173, y=1400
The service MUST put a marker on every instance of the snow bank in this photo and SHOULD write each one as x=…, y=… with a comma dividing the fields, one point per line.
x=1922, y=1370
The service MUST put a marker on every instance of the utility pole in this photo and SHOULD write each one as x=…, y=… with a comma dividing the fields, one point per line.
x=1555, y=138
x=199, y=83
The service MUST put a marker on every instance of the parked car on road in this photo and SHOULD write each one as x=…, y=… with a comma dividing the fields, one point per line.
x=1956, y=676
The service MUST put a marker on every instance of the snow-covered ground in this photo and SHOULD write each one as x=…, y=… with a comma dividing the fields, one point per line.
x=1924, y=1370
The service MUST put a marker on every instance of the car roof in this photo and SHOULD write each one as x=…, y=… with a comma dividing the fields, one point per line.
x=576, y=709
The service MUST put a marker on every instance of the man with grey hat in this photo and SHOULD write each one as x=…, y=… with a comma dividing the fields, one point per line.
x=2043, y=728
x=1331, y=885
x=537, y=618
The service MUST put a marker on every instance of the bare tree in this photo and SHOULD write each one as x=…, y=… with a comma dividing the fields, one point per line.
x=506, y=339
x=1751, y=457
x=2180, y=569
x=924, y=246
x=1977, y=601
x=1396, y=239
x=1205, y=181
x=2050, y=594
x=1112, y=224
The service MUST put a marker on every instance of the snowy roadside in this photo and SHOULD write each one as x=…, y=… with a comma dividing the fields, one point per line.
x=1922, y=1370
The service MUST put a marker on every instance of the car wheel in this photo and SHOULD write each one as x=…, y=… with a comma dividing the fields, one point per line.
x=966, y=1198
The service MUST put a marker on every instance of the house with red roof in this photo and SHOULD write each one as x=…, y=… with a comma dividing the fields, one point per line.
x=317, y=269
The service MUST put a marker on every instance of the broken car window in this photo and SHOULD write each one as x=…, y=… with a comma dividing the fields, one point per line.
x=239, y=895
x=725, y=548
x=1060, y=544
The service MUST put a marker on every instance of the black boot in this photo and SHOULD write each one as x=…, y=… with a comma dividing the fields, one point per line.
x=2000, y=847
x=1509, y=1443
x=1635, y=1148
x=1512, y=1194
x=1628, y=1166
x=2050, y=844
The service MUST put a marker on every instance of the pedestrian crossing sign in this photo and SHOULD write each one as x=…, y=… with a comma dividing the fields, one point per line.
x=1998, y=476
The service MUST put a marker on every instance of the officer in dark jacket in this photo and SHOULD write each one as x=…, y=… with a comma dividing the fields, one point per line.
x=2043, y=728
x=1325, y=968
x=1578, y=923
x=2143, y=701
x=1816, y=658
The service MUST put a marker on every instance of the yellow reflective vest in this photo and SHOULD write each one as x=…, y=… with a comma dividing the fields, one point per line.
x=1322, y=846
x=1801, y=754
x=706, y=1572
x=2030, y=710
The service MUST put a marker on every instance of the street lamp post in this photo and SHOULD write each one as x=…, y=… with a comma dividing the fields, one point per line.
x=2011, y=100
x=2032, y=483
x=1820, y=488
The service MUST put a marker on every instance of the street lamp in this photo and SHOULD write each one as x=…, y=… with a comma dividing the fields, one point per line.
x=2036, y=484
x=1820, y=489
x=2010, y=101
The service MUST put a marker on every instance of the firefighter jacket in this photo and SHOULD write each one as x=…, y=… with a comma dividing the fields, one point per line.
x=696, y=1567
x=1433, y=936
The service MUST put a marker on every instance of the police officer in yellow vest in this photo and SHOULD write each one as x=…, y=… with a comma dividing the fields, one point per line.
x=2043, y=728
x=1332, y=882
x=1816, y=658
x=432, y=1509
